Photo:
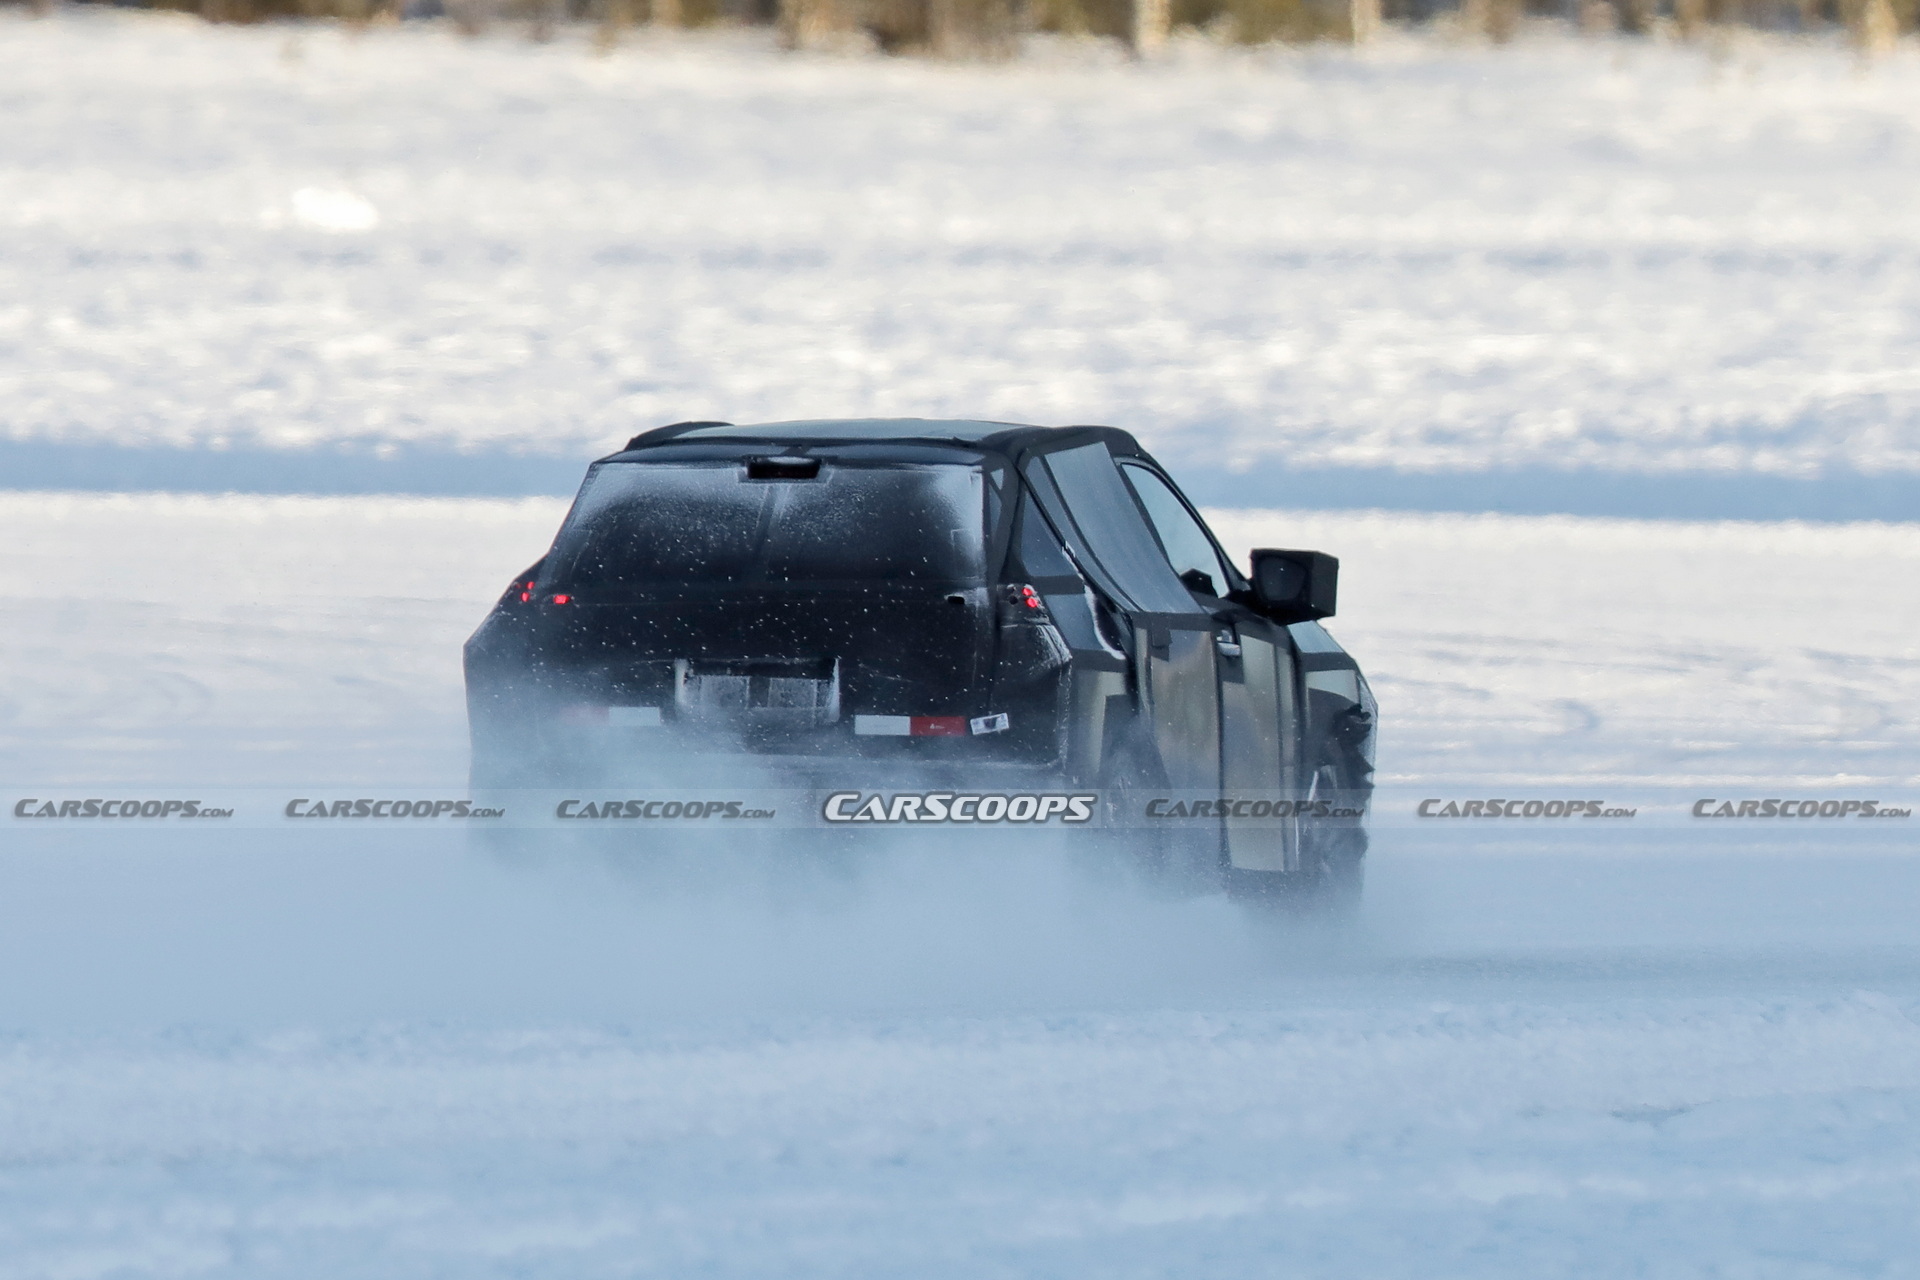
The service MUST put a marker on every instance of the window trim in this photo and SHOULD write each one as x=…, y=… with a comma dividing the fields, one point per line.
x=1036, y=468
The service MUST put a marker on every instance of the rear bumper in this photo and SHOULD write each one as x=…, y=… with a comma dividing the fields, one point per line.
x=560, y=750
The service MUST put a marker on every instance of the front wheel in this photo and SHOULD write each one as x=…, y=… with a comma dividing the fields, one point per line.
x=1331, y=875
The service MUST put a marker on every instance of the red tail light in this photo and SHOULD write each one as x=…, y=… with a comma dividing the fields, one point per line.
x=1019, y=602
x=562, y=599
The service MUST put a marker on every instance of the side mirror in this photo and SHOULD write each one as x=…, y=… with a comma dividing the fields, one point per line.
x=1295, y=586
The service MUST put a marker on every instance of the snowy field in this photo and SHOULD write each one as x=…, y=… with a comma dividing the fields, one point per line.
x=246, y=640
x=261, y=1056
x=1603, y=257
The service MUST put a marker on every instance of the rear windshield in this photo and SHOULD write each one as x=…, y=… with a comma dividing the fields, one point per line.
x=639, y=525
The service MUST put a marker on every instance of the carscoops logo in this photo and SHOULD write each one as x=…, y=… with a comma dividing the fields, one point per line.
x=951, y=806
x=1236, y=807
x=642, y=810
x=34, y=807
x=304, y=808
x=1437, y=808
x=1778, y=808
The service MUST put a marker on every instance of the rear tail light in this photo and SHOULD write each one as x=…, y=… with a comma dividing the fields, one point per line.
x=525, y=591
x=1020, y=602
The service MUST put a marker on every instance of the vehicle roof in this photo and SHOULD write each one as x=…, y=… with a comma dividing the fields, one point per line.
x=994, y=437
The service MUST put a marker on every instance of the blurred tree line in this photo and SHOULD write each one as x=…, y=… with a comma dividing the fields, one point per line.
x=992, y=28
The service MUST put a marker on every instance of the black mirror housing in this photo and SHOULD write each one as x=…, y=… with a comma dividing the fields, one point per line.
x=1295, y=586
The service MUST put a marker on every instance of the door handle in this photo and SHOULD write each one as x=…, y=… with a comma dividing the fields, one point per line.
x=1227, y=648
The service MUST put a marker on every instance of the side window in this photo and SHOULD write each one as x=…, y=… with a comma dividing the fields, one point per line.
x=1040, y=551
x=1107, y=529
x=1189, y=549
x=1045, y=561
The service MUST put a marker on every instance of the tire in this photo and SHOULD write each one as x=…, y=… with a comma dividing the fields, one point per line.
x=1329, y=883
x=1332, y=874
x=1178, y=862
x=1334, y=867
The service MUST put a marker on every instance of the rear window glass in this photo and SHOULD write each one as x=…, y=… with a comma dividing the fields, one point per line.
x=640, y=525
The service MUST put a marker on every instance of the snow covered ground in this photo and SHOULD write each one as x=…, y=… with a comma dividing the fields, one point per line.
x=257, y=1055
x=243, y=639
x=1600, y=256
x=1564, y=1122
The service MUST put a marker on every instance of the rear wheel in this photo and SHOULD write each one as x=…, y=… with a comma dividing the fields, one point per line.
x=1173, y=858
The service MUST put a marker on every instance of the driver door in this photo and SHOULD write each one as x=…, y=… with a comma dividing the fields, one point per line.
x=1255, y=668
x=1174, y=651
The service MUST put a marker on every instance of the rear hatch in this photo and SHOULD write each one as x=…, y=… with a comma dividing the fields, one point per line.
x=781, y=603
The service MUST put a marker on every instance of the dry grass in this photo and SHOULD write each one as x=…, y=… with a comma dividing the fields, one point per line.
x=468, y=16
x=1240, y=21
x=992, y=28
